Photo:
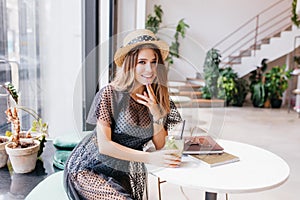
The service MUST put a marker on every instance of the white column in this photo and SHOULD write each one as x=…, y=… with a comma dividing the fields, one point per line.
x=140, y=14
x=298, y=7
x=297, y=106
x=104, y=42
x=60, y=60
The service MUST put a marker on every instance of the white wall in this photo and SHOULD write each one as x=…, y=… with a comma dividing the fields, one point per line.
x=210, y=21
x=60, y=49
x=131, y=16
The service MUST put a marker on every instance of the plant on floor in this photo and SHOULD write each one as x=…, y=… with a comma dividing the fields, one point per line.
x=257, y=85
x=227, y=84
x=153, y=23
x=211, y=74
x=297, y=60
x=231, y=88
x=243, y=89
x=276, y=82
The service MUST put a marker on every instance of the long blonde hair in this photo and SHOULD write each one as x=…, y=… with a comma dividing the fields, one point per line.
x=125, y=77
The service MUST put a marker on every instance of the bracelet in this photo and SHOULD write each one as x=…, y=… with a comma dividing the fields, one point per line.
x=159, y=121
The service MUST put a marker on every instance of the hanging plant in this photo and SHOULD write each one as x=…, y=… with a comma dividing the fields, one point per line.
x=153, y=23
x=294, y=17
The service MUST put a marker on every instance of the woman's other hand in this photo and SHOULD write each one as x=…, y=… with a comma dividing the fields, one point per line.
x=165, y=158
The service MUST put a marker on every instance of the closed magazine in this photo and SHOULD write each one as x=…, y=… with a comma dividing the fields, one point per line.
x=216, y=159
x=201, y=145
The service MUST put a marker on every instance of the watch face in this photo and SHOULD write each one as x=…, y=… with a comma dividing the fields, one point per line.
x=159, y=121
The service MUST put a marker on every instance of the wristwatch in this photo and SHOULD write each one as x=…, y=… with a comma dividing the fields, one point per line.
x=159, y=121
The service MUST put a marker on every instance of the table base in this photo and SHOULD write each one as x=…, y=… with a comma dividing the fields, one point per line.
x=210, y=196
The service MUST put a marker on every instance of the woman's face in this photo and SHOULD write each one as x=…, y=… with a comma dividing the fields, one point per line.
x=145, y=70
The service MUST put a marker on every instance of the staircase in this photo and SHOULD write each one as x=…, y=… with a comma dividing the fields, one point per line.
x=277, y=48
x=269, y=34
x=187, y=94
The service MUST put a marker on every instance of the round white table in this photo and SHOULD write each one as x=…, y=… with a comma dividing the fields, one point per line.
x=257, y=170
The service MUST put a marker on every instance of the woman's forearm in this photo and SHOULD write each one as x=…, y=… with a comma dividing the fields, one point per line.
x=113, y=149
x=159, y=136
x=108, y=147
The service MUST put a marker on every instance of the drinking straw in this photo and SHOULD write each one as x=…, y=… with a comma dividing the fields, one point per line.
x=183, y=124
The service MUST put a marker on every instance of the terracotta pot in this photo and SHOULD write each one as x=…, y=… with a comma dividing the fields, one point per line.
x=23, y=160
x=3, y=154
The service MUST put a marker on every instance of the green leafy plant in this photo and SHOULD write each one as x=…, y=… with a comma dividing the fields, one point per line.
x=11, y=90
x=258, y=96
x=242, y=88
x=211, y=74
x=12, y=115
x=257, y=85
x=277, y=81
x=297, y=60
x=294, y=17
x=227, y=85
x=153, y=23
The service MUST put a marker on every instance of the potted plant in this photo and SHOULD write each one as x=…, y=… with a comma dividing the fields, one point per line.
x=231, y=88
x=240, y=96
x=5, y=139
x=153, y=23
x=276, y=83
x=257, y=85
x=211, y=74
x=23, y=147
x=3, y=155
x=227, y=85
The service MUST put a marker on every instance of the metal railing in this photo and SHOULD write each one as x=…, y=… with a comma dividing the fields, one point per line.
x=256, y=31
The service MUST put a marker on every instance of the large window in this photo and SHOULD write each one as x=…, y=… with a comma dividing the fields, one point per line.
x=19, y=55
x=98, y=65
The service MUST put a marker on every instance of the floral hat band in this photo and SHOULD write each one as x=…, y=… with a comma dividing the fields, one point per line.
x=136, y=38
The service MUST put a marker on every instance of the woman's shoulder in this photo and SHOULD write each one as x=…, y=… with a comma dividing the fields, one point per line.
x=107, y=89
x=110, y=91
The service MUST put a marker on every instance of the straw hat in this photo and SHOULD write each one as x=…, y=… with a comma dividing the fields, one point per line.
x=139, y=37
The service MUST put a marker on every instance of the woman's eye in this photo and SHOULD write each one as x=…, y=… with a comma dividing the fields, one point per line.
x=154, y=63
x=142, y=62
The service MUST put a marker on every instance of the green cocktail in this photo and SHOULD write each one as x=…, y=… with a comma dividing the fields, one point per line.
x=174, y=143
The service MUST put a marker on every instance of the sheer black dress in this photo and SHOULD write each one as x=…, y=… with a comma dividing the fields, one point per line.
x=91, y=175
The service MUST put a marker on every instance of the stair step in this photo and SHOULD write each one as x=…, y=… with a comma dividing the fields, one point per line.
x=277, y=35
x=245, y=53
x=234, y=59
x=201, y=103
x=265, y=41
x=184, y=86
x=208, y=103
x=195, y=81
x=289, y=28
x=258, y=47
x=229, y=63
x=191, y=94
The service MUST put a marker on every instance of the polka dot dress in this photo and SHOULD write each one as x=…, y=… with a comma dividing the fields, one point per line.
x=91, y=175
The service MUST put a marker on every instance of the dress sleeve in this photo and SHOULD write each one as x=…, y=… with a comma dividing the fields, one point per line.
x=101, y=108
x=173, y=117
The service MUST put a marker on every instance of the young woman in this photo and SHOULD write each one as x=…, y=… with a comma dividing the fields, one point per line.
x=129, y=112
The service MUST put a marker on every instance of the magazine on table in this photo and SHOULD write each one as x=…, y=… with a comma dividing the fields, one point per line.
x=213, y=160
x=201, y=145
